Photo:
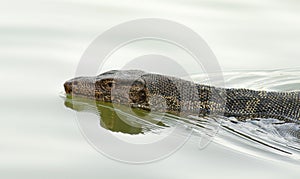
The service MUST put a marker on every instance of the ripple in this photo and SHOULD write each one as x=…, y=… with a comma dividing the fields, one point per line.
x=277, y=139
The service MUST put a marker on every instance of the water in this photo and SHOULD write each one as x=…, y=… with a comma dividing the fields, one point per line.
x=42, y=42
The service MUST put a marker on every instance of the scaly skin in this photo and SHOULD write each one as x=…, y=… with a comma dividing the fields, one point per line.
x=169, y=94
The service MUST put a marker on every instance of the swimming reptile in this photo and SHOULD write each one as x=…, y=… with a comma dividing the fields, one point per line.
x=155, y=92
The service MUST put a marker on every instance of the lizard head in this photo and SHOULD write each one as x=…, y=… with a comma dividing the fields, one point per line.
x=118, y=86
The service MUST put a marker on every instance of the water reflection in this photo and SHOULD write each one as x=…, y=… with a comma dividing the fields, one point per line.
x=114, y=117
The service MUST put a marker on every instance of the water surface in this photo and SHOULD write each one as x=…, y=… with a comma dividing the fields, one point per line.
x=42, y=42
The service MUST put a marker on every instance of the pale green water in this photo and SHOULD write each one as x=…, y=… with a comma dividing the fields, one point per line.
x=41, y=43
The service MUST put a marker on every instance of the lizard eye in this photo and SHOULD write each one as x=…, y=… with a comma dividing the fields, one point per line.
x=107, y=85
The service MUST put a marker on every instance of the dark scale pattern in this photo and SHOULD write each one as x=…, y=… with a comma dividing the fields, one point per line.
x=158, y=85
x=185, y=96
x=205, y=96
x=244, y=103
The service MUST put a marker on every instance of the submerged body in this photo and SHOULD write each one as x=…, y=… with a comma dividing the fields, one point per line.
x=161, y=93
